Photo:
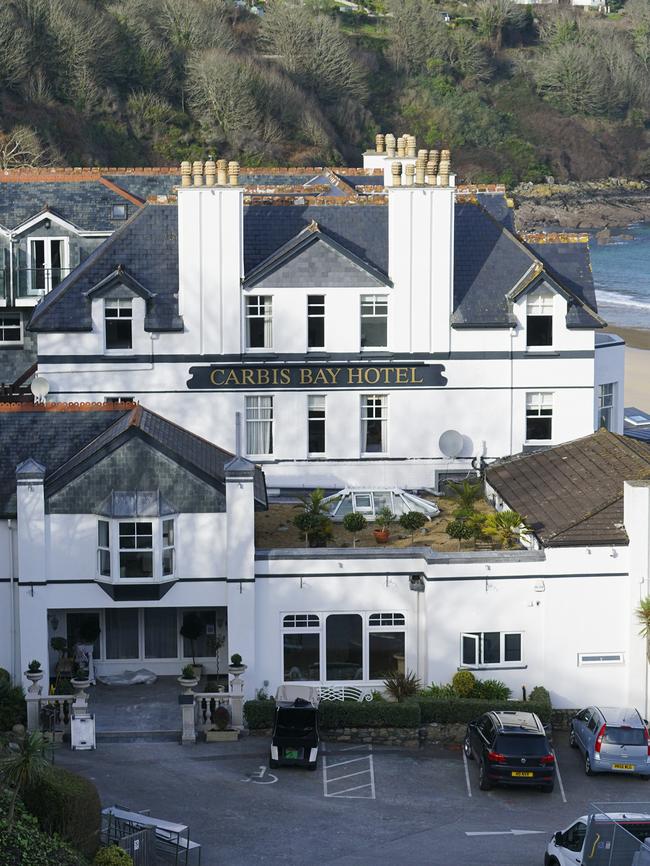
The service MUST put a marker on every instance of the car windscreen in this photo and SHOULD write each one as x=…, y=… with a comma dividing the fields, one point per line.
x=624, y=736
x=296, y=720
x=521, y=744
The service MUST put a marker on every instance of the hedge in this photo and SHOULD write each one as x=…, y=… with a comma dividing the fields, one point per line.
x=13, y=710
x=26, y=845
x=449, y=710
x=343, y=714
x=69, y=805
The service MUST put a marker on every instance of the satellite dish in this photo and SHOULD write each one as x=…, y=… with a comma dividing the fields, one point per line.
x=451, y=443
x=40, y=387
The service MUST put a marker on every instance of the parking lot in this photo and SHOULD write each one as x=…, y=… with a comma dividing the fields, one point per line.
x=363, y=805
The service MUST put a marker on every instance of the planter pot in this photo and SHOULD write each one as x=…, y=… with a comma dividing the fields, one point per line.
x=221, y=736
x=237, y=670
x=34, y=677
x=187, y=684
x=381, y=535
x=79, y=684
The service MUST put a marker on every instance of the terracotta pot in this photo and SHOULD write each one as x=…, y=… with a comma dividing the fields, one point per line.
x=381, y=535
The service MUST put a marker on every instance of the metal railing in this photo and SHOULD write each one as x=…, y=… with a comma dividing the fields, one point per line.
x=36, y=282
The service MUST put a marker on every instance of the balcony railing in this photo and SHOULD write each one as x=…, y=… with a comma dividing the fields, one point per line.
x=36, y=282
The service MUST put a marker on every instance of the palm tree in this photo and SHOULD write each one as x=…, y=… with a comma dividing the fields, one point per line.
x=314, y=520
x=24, y=764
x=643, y=615
x=506, y=527
x=467, y=492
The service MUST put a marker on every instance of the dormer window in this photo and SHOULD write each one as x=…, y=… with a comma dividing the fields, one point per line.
x=118, y=212
x=539, y=319
x=118, y=323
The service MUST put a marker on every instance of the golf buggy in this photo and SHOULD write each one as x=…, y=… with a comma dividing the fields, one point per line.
x=295, y=737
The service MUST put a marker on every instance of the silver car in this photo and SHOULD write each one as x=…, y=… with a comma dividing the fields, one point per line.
x=612, y=740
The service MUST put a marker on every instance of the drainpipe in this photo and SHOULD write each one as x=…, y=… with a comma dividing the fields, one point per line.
x=13, y=630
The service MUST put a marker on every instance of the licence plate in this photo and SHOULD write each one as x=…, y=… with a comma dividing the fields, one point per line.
x=521, y=775
x=622, y=766
x=292, y=754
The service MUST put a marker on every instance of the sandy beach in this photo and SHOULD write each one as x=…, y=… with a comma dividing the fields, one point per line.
x=637, y=366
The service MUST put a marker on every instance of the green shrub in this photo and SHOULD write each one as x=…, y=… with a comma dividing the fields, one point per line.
x=259, y=714
x=462, y=710
x=438, y=690
x=188, y=672
x=540, y=695
x=26, y=845
x=13, y=710
x=463, y=684
x=491, y=690
x=412, y=521
x=112, y=856
x=368, y=714
x=5, y=676
x=67, y=804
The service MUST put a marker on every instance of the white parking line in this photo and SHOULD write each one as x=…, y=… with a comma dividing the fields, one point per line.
x=469, y=787
x=347, y=793
x=559, y=778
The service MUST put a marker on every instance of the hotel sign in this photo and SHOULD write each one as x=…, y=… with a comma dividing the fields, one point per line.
x=223, y=377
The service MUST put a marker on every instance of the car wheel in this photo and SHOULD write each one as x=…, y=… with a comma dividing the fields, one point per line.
x=588, y=770
x=548, y=789
x=273, y=765
x=553, y=862
x=483, y=781
x=572, y=739
x=312, y=766
x=468, y=749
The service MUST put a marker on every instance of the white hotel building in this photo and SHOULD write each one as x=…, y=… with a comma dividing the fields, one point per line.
x=349, y=332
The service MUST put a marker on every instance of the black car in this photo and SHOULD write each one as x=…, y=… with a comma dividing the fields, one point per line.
x=511, y=748
x=295, y=734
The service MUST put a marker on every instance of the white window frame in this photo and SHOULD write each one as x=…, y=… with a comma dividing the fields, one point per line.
x=104, y=549
x=312, y=398
x=258, y=307
x=601, y=658
x=259, y=420
x=319, y=315
x=156, y=550
x=118, y=304
x=47, y=262
x=11, y=313
x=541, y=303
x=399, y=624
x=478, y=638
x=375, y=302
x=365, y=416
x=536, y=403
x=604, y=406
x=120, y=205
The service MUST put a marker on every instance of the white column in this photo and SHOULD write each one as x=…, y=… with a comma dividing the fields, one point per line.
x=636, y=516
x=240, y=508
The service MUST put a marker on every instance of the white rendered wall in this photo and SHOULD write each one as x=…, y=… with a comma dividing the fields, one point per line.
x=610, y=369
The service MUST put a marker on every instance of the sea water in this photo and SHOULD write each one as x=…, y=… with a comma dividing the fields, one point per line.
x=621, y=270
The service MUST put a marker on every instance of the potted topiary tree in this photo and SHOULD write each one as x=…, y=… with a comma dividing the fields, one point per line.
x=192, y=629
x=236, y=666
x=354, y=523
x=383, y=521
x=34, y=674
x=221, y=732
x=188, y=679
x=412, y=521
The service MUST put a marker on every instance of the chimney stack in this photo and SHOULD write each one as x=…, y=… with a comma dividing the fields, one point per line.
x=210, y=171
x=396, y=174
x=186, y=173
x=420, y=169
x=379, y=143
x=222, y=172
x=197, y=171
x=445, y=166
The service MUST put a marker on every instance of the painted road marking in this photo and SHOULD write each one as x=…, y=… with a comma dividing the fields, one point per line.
x=504, y=832
x=559, y=778
x=261, y=777
x=365, y=775
x=469, y=787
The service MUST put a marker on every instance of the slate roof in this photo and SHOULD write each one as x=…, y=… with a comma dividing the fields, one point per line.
x=69, y=441
x=489, y=261
x=86, y=204
x=572, y=495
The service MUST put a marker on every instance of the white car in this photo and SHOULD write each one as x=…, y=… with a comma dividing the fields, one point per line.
x=602, y=839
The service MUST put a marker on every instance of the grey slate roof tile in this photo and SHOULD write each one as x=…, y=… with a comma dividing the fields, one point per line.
x=86, y=204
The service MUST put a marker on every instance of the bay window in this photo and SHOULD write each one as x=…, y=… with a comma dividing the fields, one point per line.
x=104, y=548
x=136, y=549
x=490, y=648
x=342, y=647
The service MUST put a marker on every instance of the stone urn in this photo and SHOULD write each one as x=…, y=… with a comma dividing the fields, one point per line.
x=34, y=677
x=80, y=682
x=187, y=683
